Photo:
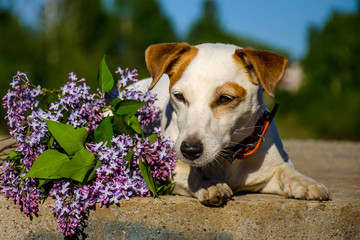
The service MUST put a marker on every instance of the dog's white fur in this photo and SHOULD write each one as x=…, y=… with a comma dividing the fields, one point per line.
x=211, y=177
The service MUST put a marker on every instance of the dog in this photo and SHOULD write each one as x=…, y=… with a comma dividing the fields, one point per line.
x=211, y=101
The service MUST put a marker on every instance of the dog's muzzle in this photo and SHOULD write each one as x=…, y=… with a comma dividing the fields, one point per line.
x=191, y=149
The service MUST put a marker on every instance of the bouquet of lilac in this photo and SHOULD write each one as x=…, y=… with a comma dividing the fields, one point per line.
x=82, y=148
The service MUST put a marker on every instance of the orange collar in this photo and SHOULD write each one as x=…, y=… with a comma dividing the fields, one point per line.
x=252, y=143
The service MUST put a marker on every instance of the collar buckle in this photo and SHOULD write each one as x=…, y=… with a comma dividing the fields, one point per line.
x=261, y=136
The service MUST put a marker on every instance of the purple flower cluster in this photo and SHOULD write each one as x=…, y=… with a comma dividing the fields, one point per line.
x=119, y=179
x=115, y=179
x=68, y=206
x=18, y=102
x=84, y=108
x=27, y=127
x=148, y=113
x=160, y=155
x=118, y=174
x=26, y=193
x=126, y=77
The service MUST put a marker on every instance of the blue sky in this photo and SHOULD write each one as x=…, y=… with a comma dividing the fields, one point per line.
x=282, y=23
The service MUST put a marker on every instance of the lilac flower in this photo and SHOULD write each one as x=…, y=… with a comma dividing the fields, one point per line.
x=68, y=208
x=37, y=91
x=126, y=76
x=116, y=178
x=72, y=77
x=119, y=70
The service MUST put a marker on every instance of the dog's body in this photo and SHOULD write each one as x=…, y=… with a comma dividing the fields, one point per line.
x=211, y=99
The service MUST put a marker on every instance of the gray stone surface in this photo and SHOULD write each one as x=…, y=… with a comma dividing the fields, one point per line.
x=246, y=216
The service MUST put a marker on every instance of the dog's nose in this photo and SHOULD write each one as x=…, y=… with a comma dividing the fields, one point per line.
x=191, y=150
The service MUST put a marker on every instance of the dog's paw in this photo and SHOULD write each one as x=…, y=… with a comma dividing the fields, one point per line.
x=215, y=195
x=301, y=187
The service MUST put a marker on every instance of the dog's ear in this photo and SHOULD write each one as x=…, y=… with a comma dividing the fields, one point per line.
x=160, y=56
x=264, y=67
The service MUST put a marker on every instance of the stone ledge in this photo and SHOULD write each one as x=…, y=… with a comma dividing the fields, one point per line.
x=250, y=216
x=247, y=216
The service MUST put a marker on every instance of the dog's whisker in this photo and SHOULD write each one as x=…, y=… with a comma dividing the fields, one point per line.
x=247, y=128
x=244, y=128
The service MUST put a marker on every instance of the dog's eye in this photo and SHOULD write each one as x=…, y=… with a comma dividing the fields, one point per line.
x=225, y=99
x=179, y=97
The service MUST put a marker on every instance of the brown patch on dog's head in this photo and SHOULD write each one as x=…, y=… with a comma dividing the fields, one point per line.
x=264, y=67
x=169, y=58
x=226, y=97
x=177, y=68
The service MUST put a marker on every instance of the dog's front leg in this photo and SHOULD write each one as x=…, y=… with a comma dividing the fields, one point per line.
x=192, y=181
x=289, y=182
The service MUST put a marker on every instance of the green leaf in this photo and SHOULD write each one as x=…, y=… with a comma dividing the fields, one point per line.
x=120, y=126
x=165, y=188
x=78, y=167
x=128, y=159
x=115, y=102
x=104, y=132
x=134, y=124
x=81, y=133
x=146, y=173
x=42, y=182
x=128, y=107
x=51, y=142
x=70, y=139
x=46, y=99
x=92, y=174
x=52, y=164
x=47, y=165
x=152, y=137
x=14, y=154
x=105, y=78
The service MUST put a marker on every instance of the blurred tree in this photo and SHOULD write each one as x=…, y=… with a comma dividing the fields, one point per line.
x=12, y=56
x=17, y=51
x=331, y=93
x=144, y=24
x=76, y=36
x=208, y=28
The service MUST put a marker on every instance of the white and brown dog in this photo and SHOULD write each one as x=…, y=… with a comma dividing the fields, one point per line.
x=211, y=101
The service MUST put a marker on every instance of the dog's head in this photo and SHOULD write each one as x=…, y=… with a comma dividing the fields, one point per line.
x=215, y=90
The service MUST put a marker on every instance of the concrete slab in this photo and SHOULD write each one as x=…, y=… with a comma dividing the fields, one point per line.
x=247, y=216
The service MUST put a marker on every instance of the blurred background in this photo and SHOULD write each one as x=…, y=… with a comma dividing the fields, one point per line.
x=319, y=94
